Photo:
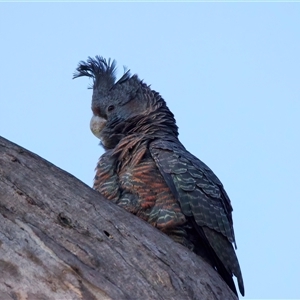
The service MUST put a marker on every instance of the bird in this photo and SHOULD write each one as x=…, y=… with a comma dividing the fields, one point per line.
x=146, y=169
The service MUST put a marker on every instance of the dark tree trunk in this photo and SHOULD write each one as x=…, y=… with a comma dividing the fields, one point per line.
x=59, y=239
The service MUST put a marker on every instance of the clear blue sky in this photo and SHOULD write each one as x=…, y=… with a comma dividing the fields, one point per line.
x=230, y=72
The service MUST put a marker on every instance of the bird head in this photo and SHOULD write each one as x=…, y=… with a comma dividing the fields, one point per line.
x=117, y=105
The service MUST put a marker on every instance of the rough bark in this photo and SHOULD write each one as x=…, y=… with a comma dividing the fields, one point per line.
x=60, y=239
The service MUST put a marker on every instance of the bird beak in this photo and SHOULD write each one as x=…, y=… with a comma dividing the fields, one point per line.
x=97, y=124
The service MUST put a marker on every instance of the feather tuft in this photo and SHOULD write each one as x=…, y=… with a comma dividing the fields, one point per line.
x=102, y=71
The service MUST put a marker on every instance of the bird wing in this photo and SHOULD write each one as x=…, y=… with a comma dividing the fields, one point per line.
x=202, y=197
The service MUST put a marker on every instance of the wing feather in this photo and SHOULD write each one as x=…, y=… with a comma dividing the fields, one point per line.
x=201, y=196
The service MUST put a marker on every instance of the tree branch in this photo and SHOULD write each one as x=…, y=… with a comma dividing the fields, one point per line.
x=60, y=239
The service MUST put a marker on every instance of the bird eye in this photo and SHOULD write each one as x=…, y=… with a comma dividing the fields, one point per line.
x=110, y=108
